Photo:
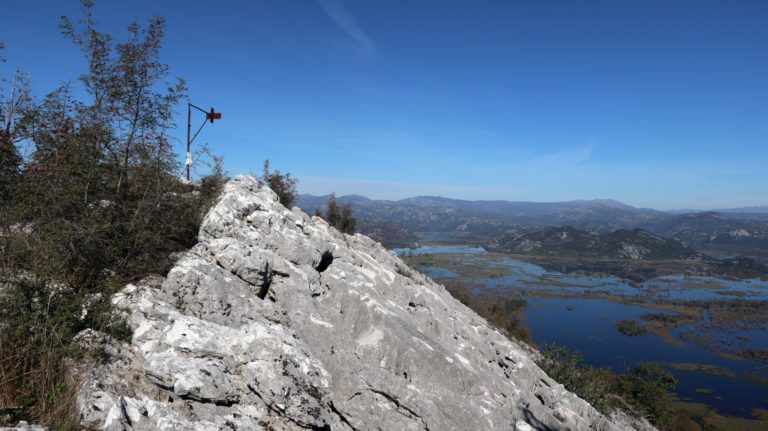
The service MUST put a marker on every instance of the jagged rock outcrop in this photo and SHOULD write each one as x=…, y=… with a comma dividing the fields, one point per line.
x=277, y=321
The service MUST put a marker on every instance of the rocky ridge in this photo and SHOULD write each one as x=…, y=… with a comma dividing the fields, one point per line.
x=275, y=320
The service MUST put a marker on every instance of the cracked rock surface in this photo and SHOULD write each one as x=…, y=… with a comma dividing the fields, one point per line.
x=275, y=320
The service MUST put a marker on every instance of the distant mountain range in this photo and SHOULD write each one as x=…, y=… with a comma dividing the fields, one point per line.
x=435, y=214
x=395, y=223
x=743, y=210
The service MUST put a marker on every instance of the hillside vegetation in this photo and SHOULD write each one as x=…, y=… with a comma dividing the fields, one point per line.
x=97, y=203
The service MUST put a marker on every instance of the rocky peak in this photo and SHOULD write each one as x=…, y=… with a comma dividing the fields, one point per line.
x=275, y=320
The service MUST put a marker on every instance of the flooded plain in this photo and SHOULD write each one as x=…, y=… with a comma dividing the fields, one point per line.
x=710, y=333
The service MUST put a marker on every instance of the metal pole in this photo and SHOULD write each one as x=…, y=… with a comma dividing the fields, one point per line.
x=189, y=126
x=209, y=116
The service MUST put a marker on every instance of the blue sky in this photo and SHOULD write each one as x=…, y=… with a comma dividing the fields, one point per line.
x=659, y=104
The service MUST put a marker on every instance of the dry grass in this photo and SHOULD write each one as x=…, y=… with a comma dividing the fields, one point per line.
x=37, y=387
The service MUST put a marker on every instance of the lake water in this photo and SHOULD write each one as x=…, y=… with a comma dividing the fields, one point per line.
x=587, y=323
x=440, y=249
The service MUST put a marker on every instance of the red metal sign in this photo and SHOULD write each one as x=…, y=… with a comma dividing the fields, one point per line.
x=213, y=115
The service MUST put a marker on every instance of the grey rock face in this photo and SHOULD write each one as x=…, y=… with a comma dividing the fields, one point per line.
x=277, y=321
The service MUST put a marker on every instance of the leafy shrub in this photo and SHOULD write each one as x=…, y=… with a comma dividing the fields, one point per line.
x=332, y=214
x=643, y=390
x=282, y=184
x=212, y=185
x=347, y=223
x=591, y=384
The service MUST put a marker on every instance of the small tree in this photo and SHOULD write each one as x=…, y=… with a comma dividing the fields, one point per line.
x=212, y=185
x=347, y=222
x=332, y=215
x=15, y=113
x=341, y=220
x=131, y=98
x=282, y=184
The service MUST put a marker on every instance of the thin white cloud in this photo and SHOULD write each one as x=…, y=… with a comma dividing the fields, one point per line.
x=571, y=155
x=348, y=24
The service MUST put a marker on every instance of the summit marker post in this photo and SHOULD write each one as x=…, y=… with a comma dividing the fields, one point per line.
x=209, y=116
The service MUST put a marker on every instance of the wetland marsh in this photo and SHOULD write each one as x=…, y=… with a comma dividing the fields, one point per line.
x=710, y=333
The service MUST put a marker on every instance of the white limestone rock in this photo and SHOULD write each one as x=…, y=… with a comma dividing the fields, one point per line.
x=277, y=321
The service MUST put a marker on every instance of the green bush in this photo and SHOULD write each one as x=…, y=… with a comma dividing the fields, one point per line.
x=347, y=222
x=284, y=185
x=643, y=390
x=592, y=384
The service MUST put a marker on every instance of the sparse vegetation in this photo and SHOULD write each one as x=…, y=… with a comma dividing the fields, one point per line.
x=753, y=354
x=631, y=327
x=332, y=213
x=419, y=261
x=342, y=220
x=702, y=368
x=643, y=390
x=592, y=384
x=505, y=313
x=707, y=418
x=347, y=222
x=284, y=185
